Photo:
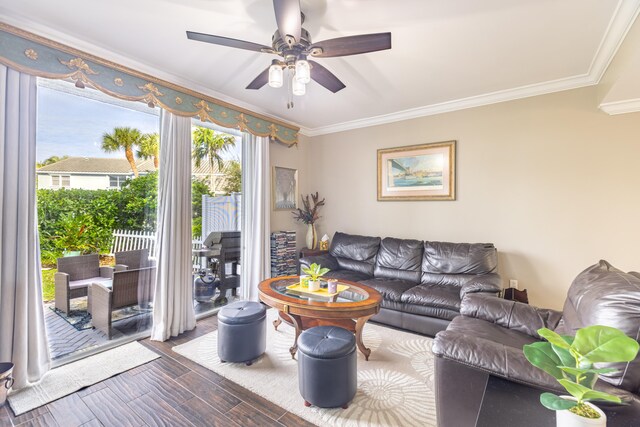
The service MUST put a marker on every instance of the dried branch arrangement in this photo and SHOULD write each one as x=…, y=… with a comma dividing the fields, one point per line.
x=309, y=213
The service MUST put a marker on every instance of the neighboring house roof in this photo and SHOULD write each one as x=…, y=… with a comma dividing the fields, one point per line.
x=106, y=165
x=103, y=165
x=205, y=168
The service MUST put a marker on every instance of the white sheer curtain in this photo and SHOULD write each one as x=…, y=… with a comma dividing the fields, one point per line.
x=173, y=304
x=256, y=207
x=23, y=338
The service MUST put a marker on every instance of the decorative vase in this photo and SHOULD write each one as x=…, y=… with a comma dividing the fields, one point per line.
x=566, y=418
x=312, y=237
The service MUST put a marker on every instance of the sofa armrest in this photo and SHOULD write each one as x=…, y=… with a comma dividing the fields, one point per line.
x=482, y=283
x=325, y=260
x=509, y=314
x=120, y=267
x=504, y=361
x=106, y=272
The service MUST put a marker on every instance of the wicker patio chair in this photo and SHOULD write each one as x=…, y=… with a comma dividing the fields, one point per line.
x=129, y=288
x=74, y=275
x=130, y=260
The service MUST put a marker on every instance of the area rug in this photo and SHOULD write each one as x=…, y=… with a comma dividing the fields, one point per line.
x=395, y=387
x=70, y=378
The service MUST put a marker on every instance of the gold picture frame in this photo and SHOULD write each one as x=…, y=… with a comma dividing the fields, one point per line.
x=417, y=172
x=284, y=188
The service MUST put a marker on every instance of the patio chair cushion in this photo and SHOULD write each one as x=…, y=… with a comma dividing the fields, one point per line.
x=75, y=284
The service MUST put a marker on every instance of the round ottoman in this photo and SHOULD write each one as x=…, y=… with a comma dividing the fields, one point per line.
x=327, y=371
x=242, y=332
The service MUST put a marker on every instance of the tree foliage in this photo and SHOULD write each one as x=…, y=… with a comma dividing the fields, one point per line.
x=199, y=188
x=123, y=138
x=149, y=148
x=50, y=160
x=233, y=175
x=208, y=144
x=84, y=220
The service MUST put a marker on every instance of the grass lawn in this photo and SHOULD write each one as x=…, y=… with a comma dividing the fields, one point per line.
x=48, y=286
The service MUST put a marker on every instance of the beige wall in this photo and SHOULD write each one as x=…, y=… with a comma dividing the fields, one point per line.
x=551, y=180
x=296, y=158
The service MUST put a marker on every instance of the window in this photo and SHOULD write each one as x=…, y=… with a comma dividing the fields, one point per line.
x=60, y=181
x=98, y=214
x=116, y=181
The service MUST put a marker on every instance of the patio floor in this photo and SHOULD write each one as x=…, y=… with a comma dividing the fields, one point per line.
x=65, y=339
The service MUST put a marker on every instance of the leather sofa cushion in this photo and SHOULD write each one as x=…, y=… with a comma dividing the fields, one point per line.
x=356, y=253
x=433, y=295
x=482, y=329
x=399, y=259
x=353, y=276
x=391, y=290
x=604, y=295
x=421, y=310
x=458, y=258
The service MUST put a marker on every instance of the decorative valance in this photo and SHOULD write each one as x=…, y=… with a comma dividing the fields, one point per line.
x=32, y=54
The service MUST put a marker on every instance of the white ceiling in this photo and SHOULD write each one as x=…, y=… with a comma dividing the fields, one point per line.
x=446, y=55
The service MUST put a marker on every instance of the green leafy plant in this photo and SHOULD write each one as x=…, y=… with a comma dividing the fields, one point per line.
x=315, y=271
x=571, y=361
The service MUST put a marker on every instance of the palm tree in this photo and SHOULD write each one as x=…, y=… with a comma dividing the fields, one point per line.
x=209, y=144
x=149, y=147
x=123, y=138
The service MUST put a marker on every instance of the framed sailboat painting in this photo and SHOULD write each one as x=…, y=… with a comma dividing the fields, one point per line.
x=418, y=172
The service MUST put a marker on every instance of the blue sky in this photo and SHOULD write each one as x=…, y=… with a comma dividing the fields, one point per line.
x=73, y=126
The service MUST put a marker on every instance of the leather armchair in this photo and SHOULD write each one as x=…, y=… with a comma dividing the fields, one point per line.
x=488, y=337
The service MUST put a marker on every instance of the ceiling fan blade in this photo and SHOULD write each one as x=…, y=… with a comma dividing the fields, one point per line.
x=288, y=17
x=352, y=45
x=225, y=41
x=261, y=80
x=325, y=77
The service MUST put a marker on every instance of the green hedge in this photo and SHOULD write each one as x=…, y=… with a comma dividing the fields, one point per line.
x=84, y=220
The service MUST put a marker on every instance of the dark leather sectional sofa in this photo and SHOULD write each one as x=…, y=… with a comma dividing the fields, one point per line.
x=422, y=282
x=488, y=337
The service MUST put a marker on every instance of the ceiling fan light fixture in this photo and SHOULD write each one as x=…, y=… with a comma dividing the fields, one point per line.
x=297, y=87
x=276, y=74
x=303, y=70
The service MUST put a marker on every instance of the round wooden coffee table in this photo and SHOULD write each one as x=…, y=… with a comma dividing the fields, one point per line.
x=350, y=309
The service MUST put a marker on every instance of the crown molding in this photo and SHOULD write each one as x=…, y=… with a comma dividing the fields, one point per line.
x=621, y=21
x=112, y=56
x=623, y=18
x=621, y=107
x=458, y=104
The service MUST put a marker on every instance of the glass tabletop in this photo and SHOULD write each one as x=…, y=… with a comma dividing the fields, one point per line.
x=349, y=295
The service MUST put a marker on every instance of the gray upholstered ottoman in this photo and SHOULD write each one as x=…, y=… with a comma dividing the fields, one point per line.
x=327, y=370
x=242, y=332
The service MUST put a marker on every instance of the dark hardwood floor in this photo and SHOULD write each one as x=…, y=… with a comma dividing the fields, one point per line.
x=170, y=391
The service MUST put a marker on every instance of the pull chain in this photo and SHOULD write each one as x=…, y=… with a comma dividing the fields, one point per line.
x=289, y=90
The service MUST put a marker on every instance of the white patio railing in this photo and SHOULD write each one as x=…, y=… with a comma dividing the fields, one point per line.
x=129, y=240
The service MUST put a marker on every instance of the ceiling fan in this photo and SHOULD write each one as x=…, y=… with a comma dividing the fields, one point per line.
x=293, y=43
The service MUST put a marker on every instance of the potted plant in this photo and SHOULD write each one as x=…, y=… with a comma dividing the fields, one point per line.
x=315, y=271
x=309, y=215
x=571, y=361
